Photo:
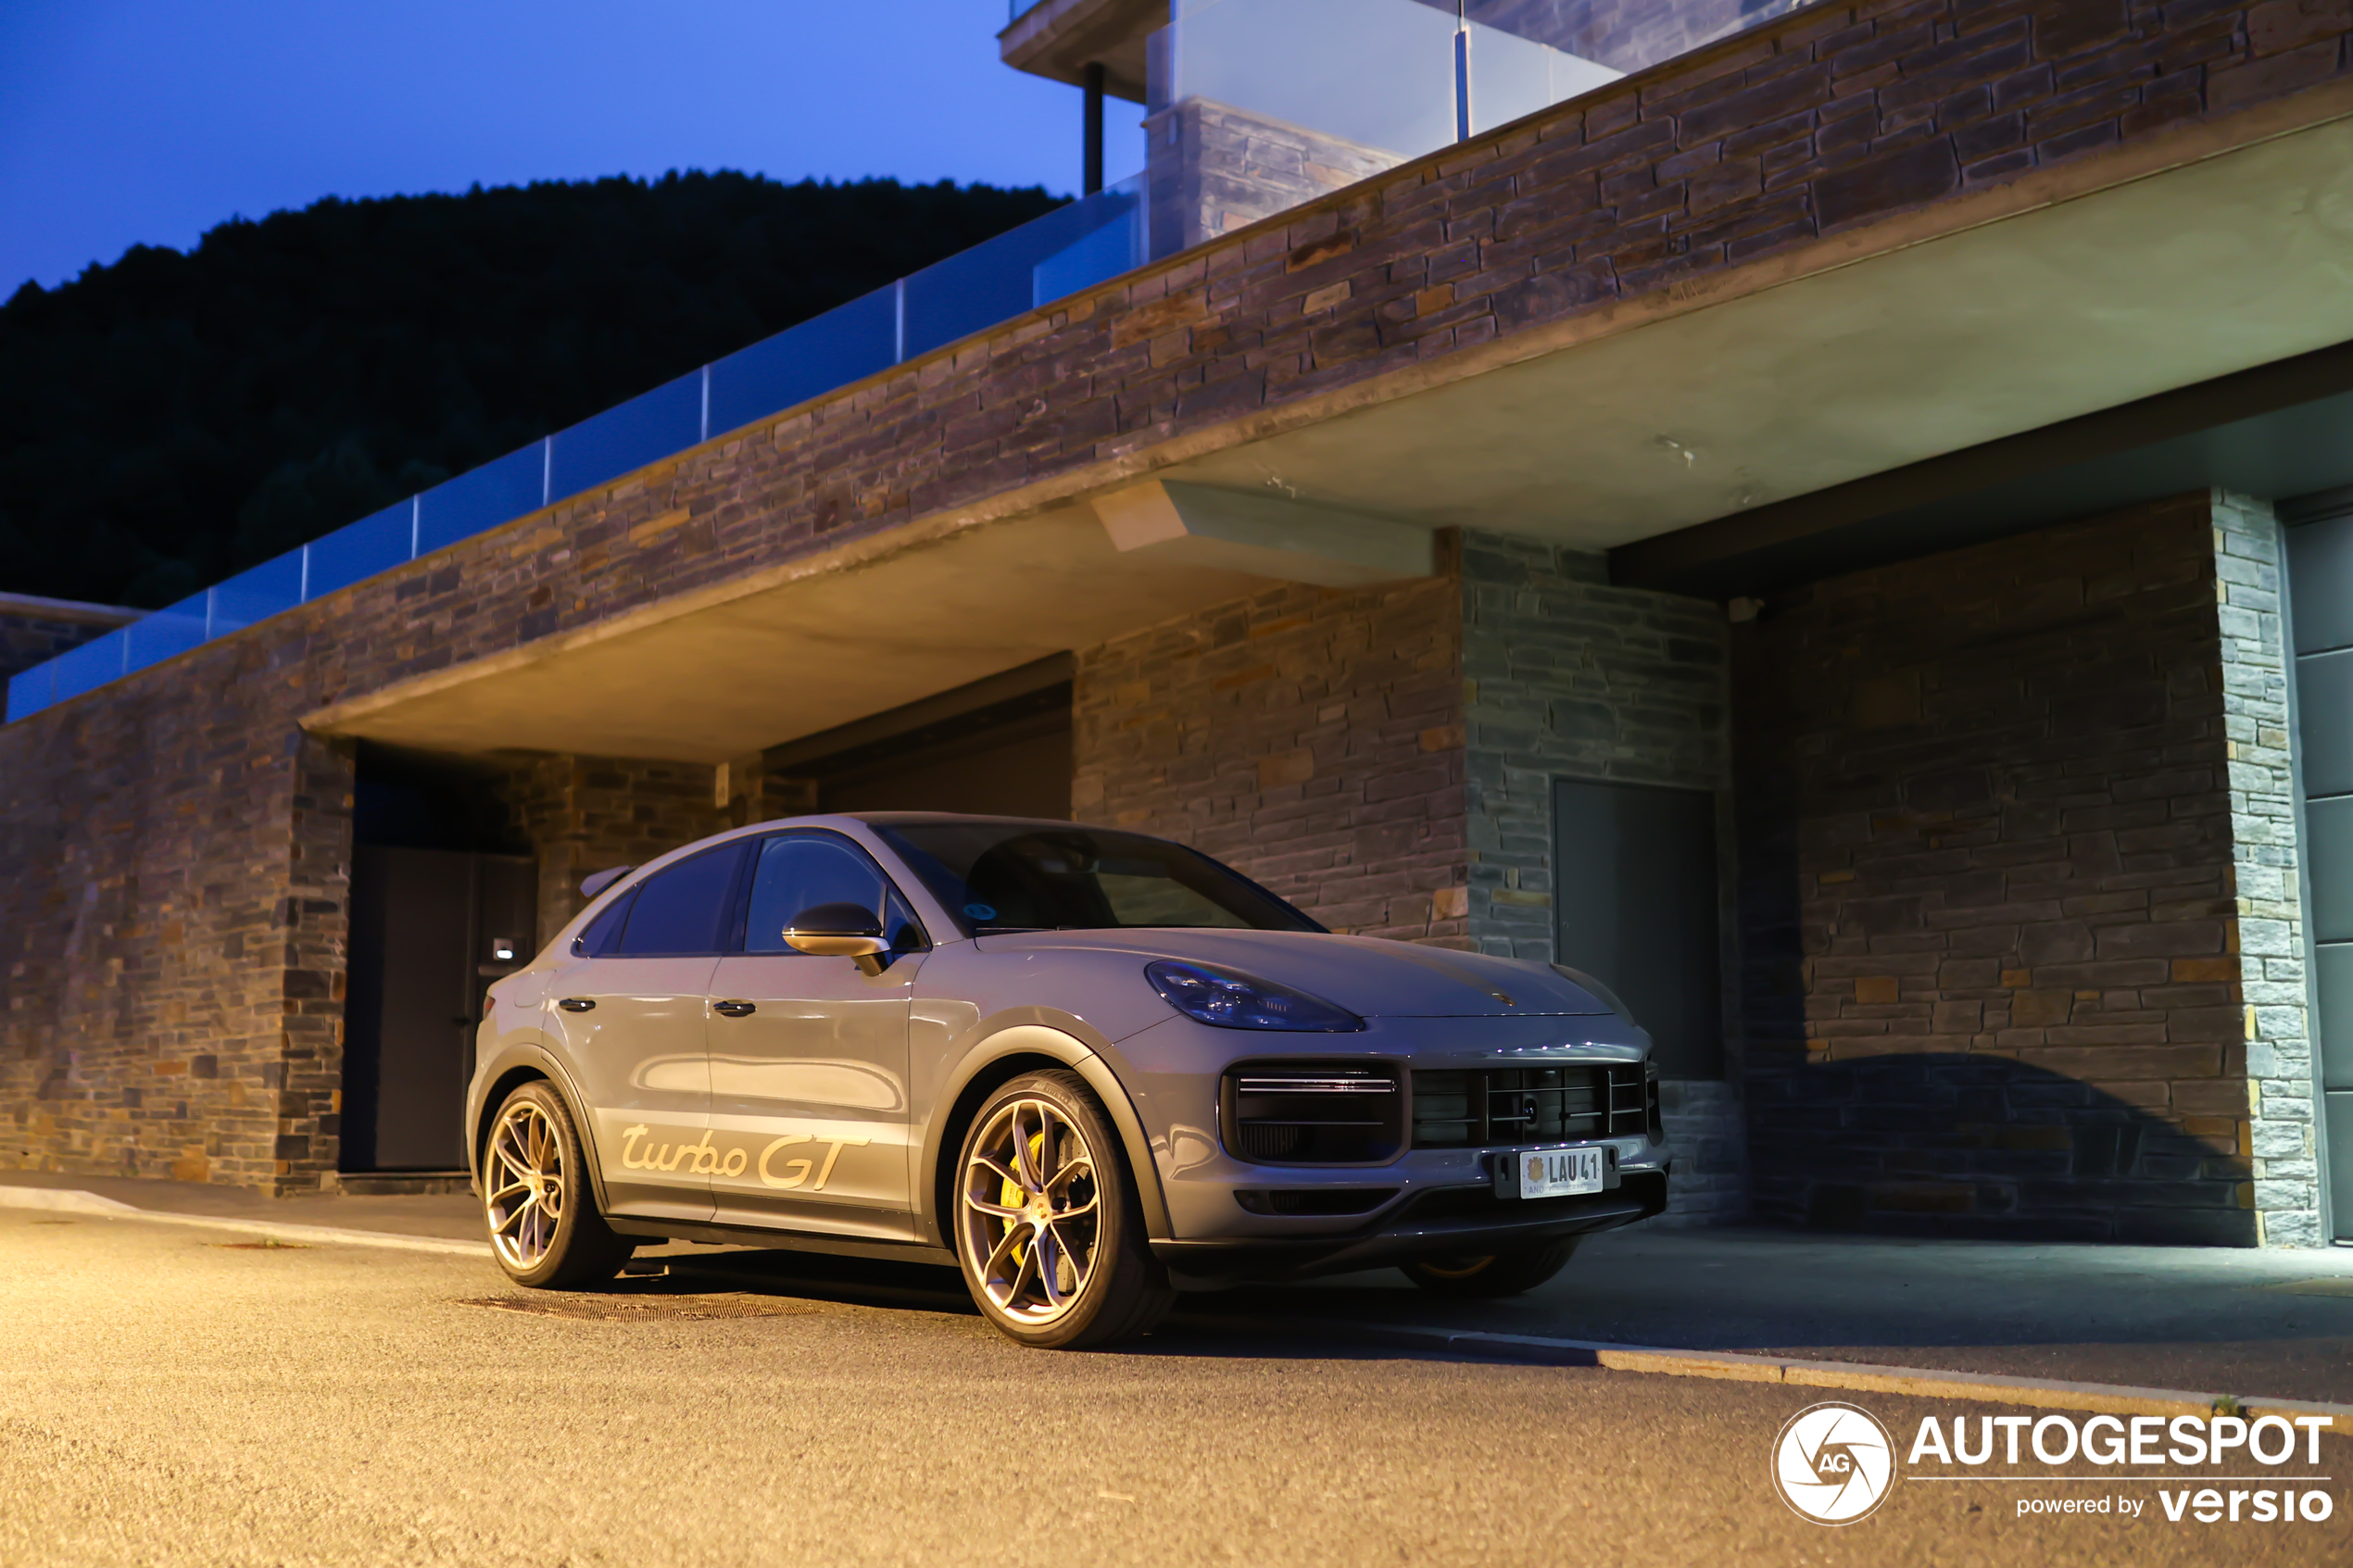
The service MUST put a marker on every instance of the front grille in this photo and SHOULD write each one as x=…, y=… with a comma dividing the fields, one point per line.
x=1314, y=1200
x=1474, y=1107
x=1312, y=1113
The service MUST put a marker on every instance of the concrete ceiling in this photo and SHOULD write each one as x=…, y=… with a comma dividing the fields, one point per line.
x=2174, y=279
x=1646, y=424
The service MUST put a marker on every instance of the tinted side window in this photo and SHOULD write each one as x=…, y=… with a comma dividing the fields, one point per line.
x=682, y=909
x=604, y=932
x=801, y=872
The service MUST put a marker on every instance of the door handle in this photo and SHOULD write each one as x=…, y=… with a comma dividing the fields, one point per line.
x=577, y=1004
x=734, y=1010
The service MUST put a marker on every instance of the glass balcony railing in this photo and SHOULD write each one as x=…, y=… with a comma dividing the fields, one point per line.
x=1071, y=248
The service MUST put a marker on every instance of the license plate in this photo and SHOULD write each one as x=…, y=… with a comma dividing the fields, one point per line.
x=1553, y=1173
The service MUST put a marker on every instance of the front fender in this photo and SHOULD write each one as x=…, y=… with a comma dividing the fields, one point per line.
x=1034, y=1039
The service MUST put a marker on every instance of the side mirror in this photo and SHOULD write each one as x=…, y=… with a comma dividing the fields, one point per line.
x=840, y=931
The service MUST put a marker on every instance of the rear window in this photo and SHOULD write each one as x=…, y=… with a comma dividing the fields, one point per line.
x=1019, y=876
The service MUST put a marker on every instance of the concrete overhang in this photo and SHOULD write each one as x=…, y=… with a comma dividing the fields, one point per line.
x=1977, y=319
x=1060, y=38
x=2213, y=250
x=834, y=637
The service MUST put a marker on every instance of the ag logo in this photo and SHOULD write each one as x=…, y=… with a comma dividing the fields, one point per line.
x=1833, y=1463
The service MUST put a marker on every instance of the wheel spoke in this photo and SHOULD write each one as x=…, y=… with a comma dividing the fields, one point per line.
x=516, y=1216
x=1048, y=1253
x=991, y=1269
x=994, y=1210
x=1024, y=1160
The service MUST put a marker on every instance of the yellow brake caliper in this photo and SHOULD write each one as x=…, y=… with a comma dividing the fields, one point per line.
x=1011, y=1197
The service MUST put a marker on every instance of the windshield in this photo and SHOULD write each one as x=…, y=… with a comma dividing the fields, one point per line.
x=1018, y=877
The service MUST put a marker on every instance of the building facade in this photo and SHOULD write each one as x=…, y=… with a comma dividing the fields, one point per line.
x=1836, y=529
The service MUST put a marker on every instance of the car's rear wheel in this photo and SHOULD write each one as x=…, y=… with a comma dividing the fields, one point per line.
x=537, y=1199
x=1048, y=1228
x=1507, y=1273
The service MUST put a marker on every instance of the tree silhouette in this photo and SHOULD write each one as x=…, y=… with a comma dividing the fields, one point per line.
x=174, y=418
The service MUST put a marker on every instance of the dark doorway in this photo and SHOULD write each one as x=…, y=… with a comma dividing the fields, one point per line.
x=997, y=748
x=441, y=905
x=1637, y=898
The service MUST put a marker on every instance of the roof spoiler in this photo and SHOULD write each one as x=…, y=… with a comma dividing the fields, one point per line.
x=596, y=882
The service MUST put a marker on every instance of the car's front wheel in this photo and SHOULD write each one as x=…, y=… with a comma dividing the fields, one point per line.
x=1492, y=1273
x=537, y=1199
x=1048, y=1228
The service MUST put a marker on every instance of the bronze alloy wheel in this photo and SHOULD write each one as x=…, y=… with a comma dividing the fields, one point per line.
x=1047, y=1230
x=541, y=1213
x=526, y=1185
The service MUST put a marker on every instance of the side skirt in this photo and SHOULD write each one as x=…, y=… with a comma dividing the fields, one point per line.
x=794, y=1241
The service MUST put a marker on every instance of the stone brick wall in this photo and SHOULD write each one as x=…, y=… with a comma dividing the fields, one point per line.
x=2266, y=855
x=1567, y=676
x=1310, y=738
x=175, y=887
x=35, y=631
x=1988, y=878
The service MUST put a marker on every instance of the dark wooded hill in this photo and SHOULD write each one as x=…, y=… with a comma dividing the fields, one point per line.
x=173, y=418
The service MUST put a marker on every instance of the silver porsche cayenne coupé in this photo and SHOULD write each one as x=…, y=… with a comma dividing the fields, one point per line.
x=1091, y=1067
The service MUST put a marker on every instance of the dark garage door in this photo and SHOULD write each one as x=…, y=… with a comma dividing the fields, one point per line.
x=427, y=927
x=1636, y=896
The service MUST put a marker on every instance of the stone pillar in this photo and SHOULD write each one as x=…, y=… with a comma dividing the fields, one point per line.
x=1566, y=676
x=315, y=919
x=586, y=814
x=1310, y=738
x=2266, y=856
x=1212, y=168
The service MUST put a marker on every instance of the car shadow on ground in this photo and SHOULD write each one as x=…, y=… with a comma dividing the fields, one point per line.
x=2174, y=1317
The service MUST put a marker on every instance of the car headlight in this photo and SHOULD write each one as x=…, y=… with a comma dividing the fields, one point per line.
x=1238, y=1001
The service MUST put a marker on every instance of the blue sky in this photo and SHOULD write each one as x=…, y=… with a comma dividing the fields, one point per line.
x=148, y=121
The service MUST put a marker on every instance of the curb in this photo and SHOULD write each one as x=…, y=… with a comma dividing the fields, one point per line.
x=91, y=1204
x=1733, y=1366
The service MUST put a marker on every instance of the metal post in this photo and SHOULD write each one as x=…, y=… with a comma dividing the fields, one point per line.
x=1094, y=174
x=1462, y=77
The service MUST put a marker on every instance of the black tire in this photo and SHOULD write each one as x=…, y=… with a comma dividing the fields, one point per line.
x=564, y=1244
x=1107, y=1285
x=1490, y=1274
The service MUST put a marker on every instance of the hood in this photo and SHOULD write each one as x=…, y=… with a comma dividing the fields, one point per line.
x=1370, y=977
